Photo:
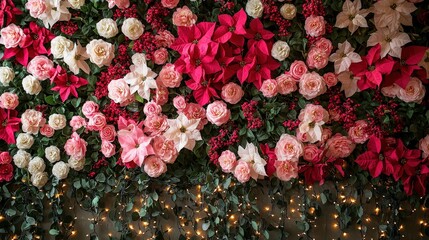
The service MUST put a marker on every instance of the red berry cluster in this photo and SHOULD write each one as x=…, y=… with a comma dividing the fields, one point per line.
x=100, y=163
x=113, y=111
x=345, y=109
x=221, y=141
x=381, y=128
x=313, y=7
x=155, y=16
x=272, y=12
x=130, y=12
x=147, y=44
x=249, y=110
x=291, y=124
x=66, y=27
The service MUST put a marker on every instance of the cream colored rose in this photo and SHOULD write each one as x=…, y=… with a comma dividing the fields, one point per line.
x=39, y=179
x=60, y=170
x=60, y=46
x=52, y=153
x=76, y=164
x=139, y=59
x=100, y=52
x=107, y=28
x=280, y=50
x=6, y=75
x=57, y=121
x=76, y=4
x=288, y=11
x=132, y=28
x=254, y=8
x=36, y=165
x=21, y=158
x=414, y=92
x=31, y=85
x=24, y=141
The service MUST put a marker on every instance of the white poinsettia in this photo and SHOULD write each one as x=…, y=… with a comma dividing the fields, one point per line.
x=391, y=41
x=75, y=59
x=141, y=79
x=348, y=83
x=344, y=57
x=183, y=132
x=393, y=13
x=56, y=10
x=251, y=155
x=352, y=16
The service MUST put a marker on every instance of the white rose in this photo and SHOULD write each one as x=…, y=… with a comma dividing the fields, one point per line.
x=36, y=165
x=39, y=179
x=60, y=45
x=76, y=164
x=139, y=59
x=132, y=28
x=107, y=28
x=60, y=170
x=21, y=159
x=31, y=85
x=76, y=4
x=100, y=52
x=57, y=121
x=6, y=75
x=280, y=50
x=288, y=11
x=24, y=141
x=52, y=153
x=254, y=8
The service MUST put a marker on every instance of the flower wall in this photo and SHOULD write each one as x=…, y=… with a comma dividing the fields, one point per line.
x=212, y=102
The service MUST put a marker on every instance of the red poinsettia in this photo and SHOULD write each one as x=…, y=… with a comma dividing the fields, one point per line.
x=200, y=33
x=262, y=68
x=227, y=61
x=9, y=125
x=416, y=183
x=270, y=168
x=405, y=161
x=317, y=169
x=204, y=90
x=8, y=11
x=372, y=68
x=258, y=37
x=232, y=28
x=66, y=84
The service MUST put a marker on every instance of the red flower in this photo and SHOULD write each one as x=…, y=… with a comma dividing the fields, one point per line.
x=270, y=169
x=417, y=181
x=405, y=161
x=9, y=125
x=317, y=169
x=6, y=172
x=231, y=28
x=189, y=37
x=8, y=12
x=206, y=89
x=371, y=69
x=66, y=84
x=262, y=68
x=258, y=36
x=375, y=160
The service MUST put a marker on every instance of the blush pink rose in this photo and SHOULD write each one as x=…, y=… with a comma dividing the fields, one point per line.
x=302, y=136
x=154, y=166
x=315, y=26
x=339, y=146
x=32, y=120
x=108, y=133
x=232, y=93
x=9, y=100
x=108, y=149
x=314, y=113
x=165, y=149
x=390, y=91
x=286, y=84
x=89, y=108
x=311, y=152
x=330, y=79
x=169, y=3
x=40, y=67
x=218, y=113
x=121, y=4
x=317, y=58
x=47, y=131
x=297, y=69
x=326, y=135
x=311, y=85
x=195, y=111
x=324, y=44
x=152, y=108
x=75, y=147
x=242, y=171
x=5, y=158
x=286, y=170
x=413, y=92
x=77, y=122
x=11, y=36
x=160, y=56
x=36, y=7
x=169, y=76
x=269, y=88
x=288, y=148
x=359, y=132
x=424, y=146
x=164, y=38
x=179, y=103
x=155, y=124
x=96, y=122
x=227, y=161
x=161, y=94
x=119, y=92
x=183, y=17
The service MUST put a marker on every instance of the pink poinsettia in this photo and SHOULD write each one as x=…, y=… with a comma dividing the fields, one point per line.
x=66, y=84
x=189, y=37
x=232, y=28
x=8, y=11
x=9, y=125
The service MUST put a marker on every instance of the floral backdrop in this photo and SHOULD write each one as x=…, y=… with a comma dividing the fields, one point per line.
x=206, y=101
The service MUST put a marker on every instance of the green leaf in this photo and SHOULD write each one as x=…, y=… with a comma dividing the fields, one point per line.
x=255, y=225
x=100, y=177
x=323, y=198
x=95, y=201
x=54, y=232
x=10, y=212
x=50, y=100
x=206, y=226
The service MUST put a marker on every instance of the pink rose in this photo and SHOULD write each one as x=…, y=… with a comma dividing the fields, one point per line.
x=311, y=152
x=179, y=103
x=358, y=132
x=183, y=17
x=161, y=95
x=11, y=36
x=160, y=56
x=286, y=170
x=314, y=113
x=339, y=146
x=302, y=136
x=326, y=134
x=335, y=115
x=164, y=38
x=32, y=120
x=330, y=79
x=242, y=171
x=324, y=44
x=77, y=122
x=119, y=92
x=96, y=122
x=121, y=4
x=390, y=91
x=108, y=133
x=232, y=93
x=311, y=85
x=152, y=108
x=47, y=131
x=155, y=124
x=154, y=166
x=424, y=146
x=108, y=149
x=195, y=111
x=286, y=84
x=414, y=92
x=218, y=113
x=89, y=108
x=169, y=3
x=315, y=26
x=40, y=66
x=288, y=148
x=297, y=69
x=317, y=58
x=36, y=7
x=269, y=88
x=5, y=158
x=165, y=149
x=9, y=100
x=169, y=76
x=227, y=161
x=75, y=147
